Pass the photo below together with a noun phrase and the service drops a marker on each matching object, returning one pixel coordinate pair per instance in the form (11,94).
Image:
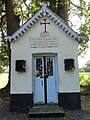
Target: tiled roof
(44,11)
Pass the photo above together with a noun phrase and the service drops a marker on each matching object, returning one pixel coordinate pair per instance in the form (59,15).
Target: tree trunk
(12,26)
(12,20)
(63,9)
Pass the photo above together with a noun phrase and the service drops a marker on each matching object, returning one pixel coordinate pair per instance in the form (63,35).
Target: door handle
(41,77)
(41,82)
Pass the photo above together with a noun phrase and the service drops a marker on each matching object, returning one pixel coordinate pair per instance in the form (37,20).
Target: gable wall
(22,82)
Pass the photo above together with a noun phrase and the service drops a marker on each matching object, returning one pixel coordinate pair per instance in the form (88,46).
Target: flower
(37,73)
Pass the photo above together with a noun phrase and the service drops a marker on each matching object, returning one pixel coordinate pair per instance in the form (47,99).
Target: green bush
(84,79)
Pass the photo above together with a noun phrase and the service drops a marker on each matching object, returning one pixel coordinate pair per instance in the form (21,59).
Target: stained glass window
(39,65)
(49,67)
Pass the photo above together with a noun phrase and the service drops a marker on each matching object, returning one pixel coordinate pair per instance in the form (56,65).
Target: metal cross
(45,23)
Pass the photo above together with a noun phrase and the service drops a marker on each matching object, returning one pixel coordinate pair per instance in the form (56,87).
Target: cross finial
(44,6)
(44,9)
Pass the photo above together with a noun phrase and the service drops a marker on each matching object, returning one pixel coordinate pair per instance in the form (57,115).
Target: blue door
(45,80)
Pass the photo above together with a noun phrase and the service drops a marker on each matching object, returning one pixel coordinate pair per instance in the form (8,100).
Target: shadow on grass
(85,90)
(4,93)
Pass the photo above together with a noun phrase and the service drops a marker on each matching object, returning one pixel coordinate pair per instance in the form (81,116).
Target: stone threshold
(46,111)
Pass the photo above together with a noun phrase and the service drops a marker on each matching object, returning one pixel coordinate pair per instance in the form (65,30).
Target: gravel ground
(83,114)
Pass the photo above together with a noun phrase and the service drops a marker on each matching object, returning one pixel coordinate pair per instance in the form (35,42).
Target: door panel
(38,81)
(51,80)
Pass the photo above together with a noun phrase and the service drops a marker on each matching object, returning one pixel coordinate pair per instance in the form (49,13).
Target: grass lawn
(3,80)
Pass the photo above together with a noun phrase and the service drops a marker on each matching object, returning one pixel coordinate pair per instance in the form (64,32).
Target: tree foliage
(4,59)
(86,68)
(84,29)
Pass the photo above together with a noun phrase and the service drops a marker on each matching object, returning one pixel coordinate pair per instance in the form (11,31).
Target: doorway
(45,80)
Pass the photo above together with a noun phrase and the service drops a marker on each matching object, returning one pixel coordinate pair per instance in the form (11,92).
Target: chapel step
(46,111)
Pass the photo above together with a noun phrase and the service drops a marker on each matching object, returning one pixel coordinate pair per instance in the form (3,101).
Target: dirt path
(85,103)
(83,114)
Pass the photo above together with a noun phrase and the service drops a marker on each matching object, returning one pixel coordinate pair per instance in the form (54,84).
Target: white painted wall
(22,82)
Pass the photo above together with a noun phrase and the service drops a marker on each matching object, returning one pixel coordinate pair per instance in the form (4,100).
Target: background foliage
(86,68)
(84,79)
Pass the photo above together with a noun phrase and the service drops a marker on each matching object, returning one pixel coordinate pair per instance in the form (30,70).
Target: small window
(20,65)
(69,64)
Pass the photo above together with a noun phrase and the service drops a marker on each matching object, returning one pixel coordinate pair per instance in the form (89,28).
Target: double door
(45,80)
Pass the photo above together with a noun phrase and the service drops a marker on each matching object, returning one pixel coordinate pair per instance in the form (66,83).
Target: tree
(86,68)
(3,47)
(3,55)
(82,10)
(11,28)
(85,27)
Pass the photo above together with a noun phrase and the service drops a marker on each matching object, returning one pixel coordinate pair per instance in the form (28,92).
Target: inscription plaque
(41,42)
